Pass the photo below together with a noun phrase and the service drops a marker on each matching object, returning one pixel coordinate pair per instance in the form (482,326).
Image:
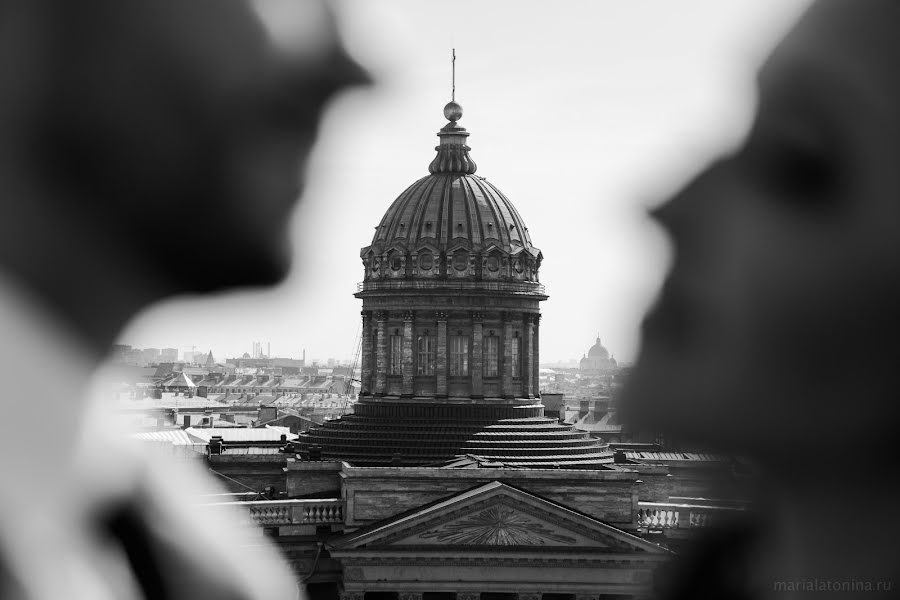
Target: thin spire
(452,153)
(453,70)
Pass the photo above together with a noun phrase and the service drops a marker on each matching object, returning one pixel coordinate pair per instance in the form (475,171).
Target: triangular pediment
(497,523)
(496,515)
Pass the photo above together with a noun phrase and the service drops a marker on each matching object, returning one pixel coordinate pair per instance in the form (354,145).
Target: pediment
(496,515)
(459,244)
(427,246)
(497,524)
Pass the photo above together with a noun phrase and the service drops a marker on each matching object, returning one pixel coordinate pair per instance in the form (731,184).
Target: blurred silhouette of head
(774,331)
(168,127)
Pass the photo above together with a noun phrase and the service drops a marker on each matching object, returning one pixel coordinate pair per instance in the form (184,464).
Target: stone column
(477,356)
(537,355)
(367,357)
(441,366)
(381,357)
(506,387)
(528,367)
(406,366)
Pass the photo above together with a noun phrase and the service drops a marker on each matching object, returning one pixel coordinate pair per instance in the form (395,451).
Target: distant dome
(598,350)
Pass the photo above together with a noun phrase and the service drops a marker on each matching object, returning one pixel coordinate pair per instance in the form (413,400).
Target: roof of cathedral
(598,350)
(452,207)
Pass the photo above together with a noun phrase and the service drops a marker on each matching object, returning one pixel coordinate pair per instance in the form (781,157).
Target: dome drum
(462,355)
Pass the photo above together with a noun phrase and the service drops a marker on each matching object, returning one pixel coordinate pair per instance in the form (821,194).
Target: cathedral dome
(450,335)
(452,223)
(598,350)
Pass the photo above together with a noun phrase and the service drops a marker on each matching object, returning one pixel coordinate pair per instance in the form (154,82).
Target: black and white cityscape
(409,300)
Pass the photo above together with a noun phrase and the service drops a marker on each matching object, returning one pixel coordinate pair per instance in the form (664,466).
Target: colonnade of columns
(376,359)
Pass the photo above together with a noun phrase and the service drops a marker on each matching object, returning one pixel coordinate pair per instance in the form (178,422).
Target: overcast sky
(584,113)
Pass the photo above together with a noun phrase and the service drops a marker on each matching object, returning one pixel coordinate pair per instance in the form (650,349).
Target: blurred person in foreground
(128,128)
(775,332)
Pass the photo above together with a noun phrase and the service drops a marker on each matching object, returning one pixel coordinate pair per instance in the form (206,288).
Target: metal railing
(525,287)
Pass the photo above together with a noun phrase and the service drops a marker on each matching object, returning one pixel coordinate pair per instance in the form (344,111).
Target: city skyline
(195,350)
(642,87)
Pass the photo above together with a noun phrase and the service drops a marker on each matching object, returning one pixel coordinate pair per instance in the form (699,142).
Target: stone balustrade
(669,515)
(282,513)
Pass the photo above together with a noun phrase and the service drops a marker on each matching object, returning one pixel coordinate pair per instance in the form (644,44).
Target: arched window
(426,345)
(491,353)
(459,355)
(396,353)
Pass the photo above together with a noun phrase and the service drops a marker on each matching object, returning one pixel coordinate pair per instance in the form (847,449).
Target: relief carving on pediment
(497,525)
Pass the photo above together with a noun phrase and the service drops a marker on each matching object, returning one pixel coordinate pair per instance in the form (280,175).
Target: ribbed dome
(598,350)
(452,223)
(447,210)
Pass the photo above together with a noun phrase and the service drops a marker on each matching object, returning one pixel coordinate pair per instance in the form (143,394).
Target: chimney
(315,453)
(215,444)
